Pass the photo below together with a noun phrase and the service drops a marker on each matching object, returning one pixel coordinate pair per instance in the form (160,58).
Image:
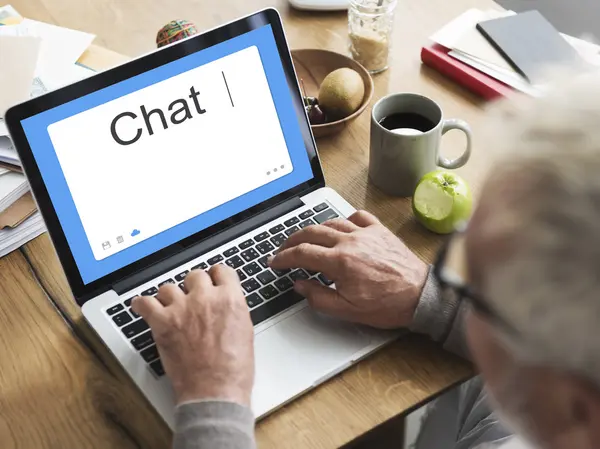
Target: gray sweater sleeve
(441,316)
(213,425)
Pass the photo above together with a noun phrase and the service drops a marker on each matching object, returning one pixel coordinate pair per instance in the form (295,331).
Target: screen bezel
(15,115)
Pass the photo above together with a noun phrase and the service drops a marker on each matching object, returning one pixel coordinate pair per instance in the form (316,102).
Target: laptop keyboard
(267,291)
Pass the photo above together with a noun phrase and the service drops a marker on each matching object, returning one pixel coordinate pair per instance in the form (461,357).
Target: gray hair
(544,218)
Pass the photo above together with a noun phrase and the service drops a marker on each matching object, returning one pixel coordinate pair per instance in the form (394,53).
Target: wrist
(188,392)
(435,311)
(421,278)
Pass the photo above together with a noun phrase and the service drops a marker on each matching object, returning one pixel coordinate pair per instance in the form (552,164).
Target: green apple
(442,201)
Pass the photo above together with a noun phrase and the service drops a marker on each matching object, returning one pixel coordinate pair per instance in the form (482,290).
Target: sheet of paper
(15,30)
(450,33)
(59,78)
(9,15)
(61,47)
(21,55)
(3,128)
(68,75)
(4,171)
(588,50)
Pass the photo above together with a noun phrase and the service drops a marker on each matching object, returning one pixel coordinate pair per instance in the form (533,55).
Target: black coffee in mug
(405,122)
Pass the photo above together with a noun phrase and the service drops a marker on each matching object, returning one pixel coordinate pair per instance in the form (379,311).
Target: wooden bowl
(313,65)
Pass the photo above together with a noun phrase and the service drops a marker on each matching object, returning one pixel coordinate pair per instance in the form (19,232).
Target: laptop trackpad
(295,353)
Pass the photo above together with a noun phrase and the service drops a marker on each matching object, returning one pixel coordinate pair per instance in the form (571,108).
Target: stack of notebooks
(495,53)
(36,58)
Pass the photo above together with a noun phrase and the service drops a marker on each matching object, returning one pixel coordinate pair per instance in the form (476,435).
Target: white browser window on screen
(150,160)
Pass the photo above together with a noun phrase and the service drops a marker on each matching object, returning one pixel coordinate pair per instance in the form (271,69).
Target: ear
(583,412)
(559,410)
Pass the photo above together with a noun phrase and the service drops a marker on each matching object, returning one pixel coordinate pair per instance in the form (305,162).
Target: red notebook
(479,83)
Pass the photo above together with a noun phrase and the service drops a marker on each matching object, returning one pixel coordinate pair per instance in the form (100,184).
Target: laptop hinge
(207,245)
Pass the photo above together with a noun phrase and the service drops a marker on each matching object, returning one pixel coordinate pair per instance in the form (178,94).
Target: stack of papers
(467,45)
(36,58)
(13,238)
(12,187)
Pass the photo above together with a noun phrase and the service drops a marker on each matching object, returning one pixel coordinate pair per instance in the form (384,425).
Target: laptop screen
(142,164)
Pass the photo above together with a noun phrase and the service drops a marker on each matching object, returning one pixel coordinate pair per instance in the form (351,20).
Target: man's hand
(378,279)
(205,337)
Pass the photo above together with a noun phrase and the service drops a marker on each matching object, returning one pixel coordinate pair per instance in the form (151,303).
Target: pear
(341,93)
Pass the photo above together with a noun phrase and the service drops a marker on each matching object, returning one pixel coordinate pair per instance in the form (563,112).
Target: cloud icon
(135,232)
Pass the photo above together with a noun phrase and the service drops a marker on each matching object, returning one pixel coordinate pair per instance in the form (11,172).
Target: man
(530,304)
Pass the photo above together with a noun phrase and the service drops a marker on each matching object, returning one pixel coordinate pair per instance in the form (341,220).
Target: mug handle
(462,160)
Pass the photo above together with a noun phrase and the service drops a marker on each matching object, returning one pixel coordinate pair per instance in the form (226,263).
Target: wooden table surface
(59,387)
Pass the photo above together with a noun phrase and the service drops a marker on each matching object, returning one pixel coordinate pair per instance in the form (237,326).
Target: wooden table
(59,387)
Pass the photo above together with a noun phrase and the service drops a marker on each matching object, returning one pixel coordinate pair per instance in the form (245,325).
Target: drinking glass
(370,26)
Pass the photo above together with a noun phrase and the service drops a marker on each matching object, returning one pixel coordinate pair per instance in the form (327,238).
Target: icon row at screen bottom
(119,240)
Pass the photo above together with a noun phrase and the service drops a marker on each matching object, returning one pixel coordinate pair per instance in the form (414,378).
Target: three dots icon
(281,167)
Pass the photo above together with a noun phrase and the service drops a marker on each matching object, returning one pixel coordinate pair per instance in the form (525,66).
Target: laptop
(198,154)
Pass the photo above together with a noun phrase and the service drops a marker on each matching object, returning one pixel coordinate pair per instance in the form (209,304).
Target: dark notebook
(529,43)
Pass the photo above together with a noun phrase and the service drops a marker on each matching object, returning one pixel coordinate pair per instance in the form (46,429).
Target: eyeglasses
(449,264)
